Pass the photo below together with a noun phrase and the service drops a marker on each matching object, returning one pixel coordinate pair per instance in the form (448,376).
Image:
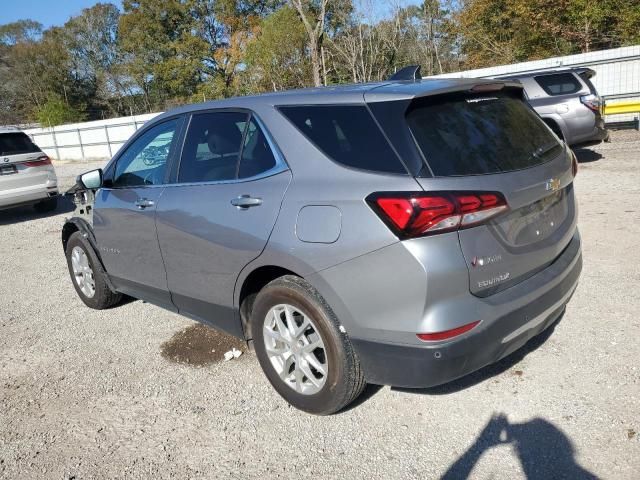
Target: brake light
(410,214)
(447,334)
(591,101)
(40,162)
(574,164)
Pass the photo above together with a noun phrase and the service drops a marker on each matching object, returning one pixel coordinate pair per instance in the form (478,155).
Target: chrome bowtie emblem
(552,184)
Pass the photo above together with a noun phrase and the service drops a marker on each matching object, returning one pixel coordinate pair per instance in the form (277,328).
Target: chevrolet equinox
(399,233)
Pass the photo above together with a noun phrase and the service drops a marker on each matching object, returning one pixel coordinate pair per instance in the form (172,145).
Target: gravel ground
(86,394)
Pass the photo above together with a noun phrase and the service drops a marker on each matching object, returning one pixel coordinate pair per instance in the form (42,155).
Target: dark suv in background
(567,101)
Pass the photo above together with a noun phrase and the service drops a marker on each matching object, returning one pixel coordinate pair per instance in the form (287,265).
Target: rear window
(15,143)
(479,135)
(586,78)
(347,134)
(559,84)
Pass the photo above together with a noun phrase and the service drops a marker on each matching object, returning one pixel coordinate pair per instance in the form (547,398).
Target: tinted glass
(489,134)
(347,134)
(559,84)
(212,147)
(16,143)
(586,79)
(257,156)
(145,161)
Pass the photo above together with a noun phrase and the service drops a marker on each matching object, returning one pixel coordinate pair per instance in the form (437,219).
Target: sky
(47,12)
(57,12)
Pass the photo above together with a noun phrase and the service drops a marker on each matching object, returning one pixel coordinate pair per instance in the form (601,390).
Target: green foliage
(56,112)
(506,31)
(276,59)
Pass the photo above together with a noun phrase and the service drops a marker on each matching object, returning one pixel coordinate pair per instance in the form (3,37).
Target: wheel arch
(253,281)
(74,225)
(556,126)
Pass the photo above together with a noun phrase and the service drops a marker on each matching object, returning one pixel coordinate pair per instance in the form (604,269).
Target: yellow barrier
(623,107)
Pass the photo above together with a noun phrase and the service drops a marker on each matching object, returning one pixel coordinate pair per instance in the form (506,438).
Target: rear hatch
(16,148)
(18,158)
(494,142)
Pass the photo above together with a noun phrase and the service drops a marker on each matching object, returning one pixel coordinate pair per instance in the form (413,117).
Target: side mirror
(90,180)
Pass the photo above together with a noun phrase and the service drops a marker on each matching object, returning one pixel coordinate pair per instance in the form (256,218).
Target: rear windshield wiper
(542,151)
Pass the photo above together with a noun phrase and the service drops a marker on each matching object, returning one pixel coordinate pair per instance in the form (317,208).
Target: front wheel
(301,348)
(87,275)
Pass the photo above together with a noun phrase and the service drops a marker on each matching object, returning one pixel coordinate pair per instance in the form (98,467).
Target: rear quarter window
(559,84)
(347,134)
(460,135)
(16,143)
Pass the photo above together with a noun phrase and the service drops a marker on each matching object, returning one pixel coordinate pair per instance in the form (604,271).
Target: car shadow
(586,155)
(27,213)
(544,451)
(489,371)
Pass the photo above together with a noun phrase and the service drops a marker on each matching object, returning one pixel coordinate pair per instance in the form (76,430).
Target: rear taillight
(574,164)
(40,162)
(418,214)
(591,101)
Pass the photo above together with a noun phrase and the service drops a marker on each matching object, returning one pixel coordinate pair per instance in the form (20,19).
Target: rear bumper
(436,363)
(12,196)
(599,134)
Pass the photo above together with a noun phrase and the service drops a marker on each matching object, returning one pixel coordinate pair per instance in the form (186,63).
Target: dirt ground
(138,392)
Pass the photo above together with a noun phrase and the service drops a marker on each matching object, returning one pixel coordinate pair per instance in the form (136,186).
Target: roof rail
(412,72)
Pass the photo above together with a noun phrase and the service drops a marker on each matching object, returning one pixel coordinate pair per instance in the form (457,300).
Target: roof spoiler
(412,72)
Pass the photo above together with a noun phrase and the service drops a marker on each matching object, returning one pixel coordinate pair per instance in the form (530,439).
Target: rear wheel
(48,205)
(301,349)
(87,275)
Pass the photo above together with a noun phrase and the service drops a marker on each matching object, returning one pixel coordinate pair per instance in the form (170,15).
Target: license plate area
(8,169)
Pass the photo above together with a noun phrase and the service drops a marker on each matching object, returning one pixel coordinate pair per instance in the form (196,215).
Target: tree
(91,40)
(276,58)
(313,14)
(55,111)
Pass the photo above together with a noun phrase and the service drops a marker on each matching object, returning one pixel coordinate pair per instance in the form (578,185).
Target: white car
(27,176)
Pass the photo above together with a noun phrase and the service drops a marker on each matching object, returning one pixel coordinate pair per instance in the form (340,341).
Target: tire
(48,205)
(102,296)
(344,379)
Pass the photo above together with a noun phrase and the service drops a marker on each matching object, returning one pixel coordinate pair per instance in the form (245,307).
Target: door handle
(245,201)
(143,203)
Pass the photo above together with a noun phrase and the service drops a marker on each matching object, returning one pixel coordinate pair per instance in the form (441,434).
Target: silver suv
(568,102)
(401,233)
(26,174)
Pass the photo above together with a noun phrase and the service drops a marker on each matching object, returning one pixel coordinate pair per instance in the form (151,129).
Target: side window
(559,84)
(257,156)
(347,134)
(145,160)
(212,147)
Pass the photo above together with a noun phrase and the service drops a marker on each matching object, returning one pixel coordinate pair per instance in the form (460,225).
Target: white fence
(97,140)
(617,73)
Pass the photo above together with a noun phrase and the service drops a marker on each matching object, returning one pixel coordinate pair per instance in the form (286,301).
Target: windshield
(462,135)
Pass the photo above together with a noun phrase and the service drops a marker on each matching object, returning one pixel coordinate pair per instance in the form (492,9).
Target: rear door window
(559,83)
(212,147)
(16,143)
(257,156)
(347,134)
(461,135)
